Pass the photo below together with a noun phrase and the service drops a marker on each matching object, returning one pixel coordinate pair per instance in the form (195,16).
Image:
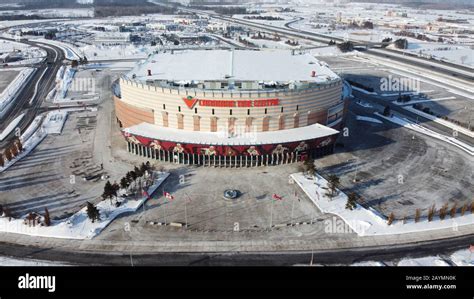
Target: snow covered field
(98,52)
(367,222)
(79,226)
(458,54)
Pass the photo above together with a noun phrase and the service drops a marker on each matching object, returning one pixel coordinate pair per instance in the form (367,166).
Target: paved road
(339,256)
(42,81)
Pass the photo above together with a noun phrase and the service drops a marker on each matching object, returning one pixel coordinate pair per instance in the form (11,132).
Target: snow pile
(364,104)
(9,93)
(55,121)
(24,262)
(368,221)
(423,262)
(368,264)
(11,126)
(368,119)
(79,226)
(463,258)
(420,129)
(66,76)
(327,51)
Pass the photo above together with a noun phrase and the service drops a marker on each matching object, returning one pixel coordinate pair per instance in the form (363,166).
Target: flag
(145,193)
(276,197)
(168,195)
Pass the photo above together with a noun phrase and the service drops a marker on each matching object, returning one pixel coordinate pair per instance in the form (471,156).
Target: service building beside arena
(230,107)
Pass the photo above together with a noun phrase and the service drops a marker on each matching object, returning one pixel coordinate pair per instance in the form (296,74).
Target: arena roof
(239,65)
(218,138)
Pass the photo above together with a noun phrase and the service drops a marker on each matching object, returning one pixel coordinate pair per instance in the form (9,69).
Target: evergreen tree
(333,183)
(8,154)
(47,219)
(124,183)
(18,144)
(390,219)
(92,212)
(351,201)
(108,191)
(13,150)
(138,172)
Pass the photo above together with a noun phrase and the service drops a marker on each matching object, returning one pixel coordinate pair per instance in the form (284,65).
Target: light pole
(293,209)
(185,210)
(164,205)
(271,214)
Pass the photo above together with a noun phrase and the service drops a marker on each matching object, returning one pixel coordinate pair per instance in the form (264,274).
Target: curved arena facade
(230,108)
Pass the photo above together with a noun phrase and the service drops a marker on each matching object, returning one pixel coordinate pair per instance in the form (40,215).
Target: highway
(437,127)
(31,97)
(236,258)
(463,72)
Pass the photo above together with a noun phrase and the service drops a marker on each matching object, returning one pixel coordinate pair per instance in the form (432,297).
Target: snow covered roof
(220,138)
(239,65)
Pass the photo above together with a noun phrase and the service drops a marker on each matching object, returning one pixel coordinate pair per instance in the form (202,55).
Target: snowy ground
(459,54)
(24,262)
(367,222)
(423,262)
(21,53)
(418,128)
(11,126)
(79,226)
(71,52)
(98,52)
(37,131)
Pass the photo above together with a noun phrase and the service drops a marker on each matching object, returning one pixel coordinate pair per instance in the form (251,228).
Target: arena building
(230,107)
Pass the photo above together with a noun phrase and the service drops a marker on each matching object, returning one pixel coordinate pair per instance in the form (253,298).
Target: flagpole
(144,209)
(292,210)
(271,214)
(185,210)
(164,208)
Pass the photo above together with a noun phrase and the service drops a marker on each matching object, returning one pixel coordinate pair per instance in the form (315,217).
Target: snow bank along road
(30,98)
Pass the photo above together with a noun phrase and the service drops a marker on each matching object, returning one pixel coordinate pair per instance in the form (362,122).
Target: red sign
(190,102)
